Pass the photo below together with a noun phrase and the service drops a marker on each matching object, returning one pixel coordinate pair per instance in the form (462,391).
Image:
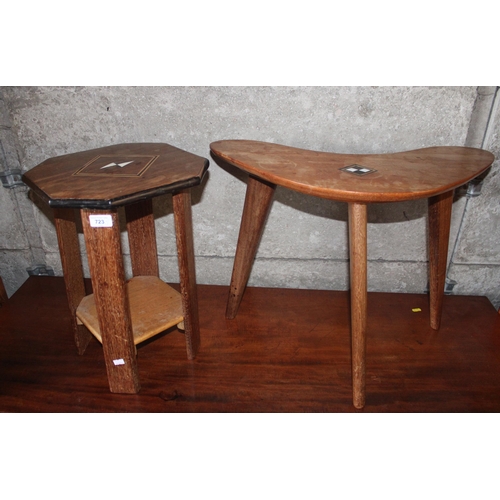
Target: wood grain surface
(142,238)
(258,200)
(84,179)
(187,273)
(287,351)
(154,307)
(105,258)
(359,297)
(439,235)
(357,179)
(420,173)
(71,260)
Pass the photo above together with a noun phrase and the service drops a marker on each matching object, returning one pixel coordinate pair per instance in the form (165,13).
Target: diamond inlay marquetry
(117,166)
(358,170)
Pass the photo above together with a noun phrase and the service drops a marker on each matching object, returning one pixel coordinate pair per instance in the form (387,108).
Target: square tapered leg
(113,311)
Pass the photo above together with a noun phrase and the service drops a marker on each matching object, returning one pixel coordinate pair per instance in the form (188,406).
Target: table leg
(255,211)
(439,234)
(3,293)
(142,238)
(187,273)
(108,281)
(358,276)
(71,260)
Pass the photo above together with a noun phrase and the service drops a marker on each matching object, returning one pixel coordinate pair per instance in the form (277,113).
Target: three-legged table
(359,180)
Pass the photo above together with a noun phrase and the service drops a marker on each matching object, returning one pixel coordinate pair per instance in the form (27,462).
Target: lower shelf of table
(154,307)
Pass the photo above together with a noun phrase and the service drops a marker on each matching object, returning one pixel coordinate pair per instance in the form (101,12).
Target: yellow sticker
(416,310)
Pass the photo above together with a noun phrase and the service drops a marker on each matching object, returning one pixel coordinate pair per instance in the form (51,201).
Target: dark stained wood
(142,238)
(85,179)
(358,279)
(439,234)
(187,272)
(71,260)
(113,311)
(258,200)
(3,293)
(287,351)
(409,175)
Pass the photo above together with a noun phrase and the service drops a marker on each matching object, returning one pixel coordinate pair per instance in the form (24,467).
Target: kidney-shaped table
(431,173)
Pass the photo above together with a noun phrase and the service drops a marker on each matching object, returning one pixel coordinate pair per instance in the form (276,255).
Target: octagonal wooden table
(121,314)
(431,173)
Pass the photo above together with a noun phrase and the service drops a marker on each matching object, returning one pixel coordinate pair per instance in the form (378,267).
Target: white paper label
(118,362)
(104,220)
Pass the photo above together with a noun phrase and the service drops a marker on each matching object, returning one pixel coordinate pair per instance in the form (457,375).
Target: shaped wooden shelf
(154,307)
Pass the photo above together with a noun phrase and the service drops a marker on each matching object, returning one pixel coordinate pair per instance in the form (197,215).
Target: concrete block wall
(305,241)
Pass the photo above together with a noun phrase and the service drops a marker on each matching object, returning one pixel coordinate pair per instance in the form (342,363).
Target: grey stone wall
(305,241)
(19,238)
(475,263)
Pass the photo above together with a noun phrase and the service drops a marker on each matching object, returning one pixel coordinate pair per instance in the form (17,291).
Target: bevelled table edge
(103,204)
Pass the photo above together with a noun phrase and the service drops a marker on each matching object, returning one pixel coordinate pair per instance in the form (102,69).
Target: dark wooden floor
(287,351)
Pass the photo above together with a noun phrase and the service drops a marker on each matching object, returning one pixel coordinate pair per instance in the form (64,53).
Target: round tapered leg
(439,234)
(358,271)
(257,205)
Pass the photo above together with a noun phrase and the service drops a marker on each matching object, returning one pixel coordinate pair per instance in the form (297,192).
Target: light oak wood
(256,209)
(113,310)
(187,272)
(424,173)
(69,251)
(154,308)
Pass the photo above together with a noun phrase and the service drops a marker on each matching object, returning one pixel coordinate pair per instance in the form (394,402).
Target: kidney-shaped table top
(408,175)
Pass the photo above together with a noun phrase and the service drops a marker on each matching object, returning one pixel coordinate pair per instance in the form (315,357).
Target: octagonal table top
(420,173)
(115,175)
